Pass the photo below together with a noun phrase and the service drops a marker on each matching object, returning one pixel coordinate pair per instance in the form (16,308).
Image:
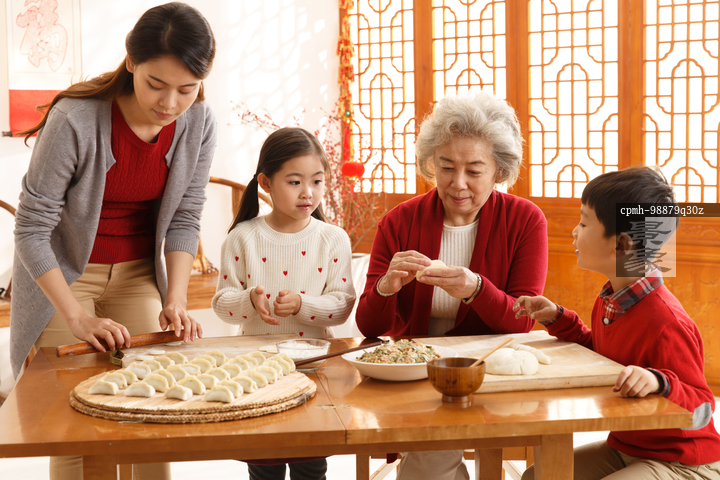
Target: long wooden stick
(135,341)
(480,360)
(341,352)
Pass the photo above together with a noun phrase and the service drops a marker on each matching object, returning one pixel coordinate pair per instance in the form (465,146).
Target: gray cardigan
(62,194)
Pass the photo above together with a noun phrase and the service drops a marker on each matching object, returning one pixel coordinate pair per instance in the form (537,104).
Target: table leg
(100,467)
(488,464)
(554,458)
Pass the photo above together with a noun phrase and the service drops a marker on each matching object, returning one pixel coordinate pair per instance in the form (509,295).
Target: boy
(637,322)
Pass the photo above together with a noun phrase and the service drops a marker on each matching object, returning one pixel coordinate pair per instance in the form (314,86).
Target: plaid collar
(615,304)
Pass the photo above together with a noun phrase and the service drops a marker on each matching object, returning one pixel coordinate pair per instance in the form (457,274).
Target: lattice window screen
(469,46)
(682,117)
(573,94)
(383,94)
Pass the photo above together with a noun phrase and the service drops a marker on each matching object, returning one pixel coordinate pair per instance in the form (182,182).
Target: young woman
(287,271)
(108,221)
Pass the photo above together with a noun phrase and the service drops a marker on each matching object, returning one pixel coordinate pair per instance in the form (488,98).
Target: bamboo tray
(286,393)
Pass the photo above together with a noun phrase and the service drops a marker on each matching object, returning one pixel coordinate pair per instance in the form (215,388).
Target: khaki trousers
(597,460)
(126,293)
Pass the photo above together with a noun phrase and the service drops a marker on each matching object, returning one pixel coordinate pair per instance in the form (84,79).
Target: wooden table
(350,414)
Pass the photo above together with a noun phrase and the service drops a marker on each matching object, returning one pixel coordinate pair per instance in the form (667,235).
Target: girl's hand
(90,329)
(538,308)
(635,381)
(287,303)
(401,270)
(262,305)
(176,314)
(458,282)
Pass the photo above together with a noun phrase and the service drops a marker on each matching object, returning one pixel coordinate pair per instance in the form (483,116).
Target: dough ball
(542,358)
(508,361)
(433,264)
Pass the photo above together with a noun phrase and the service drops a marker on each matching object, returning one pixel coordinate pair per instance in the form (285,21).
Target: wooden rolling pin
(135,341)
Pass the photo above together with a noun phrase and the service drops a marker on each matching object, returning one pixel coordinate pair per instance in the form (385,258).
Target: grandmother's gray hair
(476,115)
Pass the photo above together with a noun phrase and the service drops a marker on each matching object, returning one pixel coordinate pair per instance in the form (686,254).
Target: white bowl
(394,372)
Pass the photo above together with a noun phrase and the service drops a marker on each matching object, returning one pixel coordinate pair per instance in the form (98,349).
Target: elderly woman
(494,244)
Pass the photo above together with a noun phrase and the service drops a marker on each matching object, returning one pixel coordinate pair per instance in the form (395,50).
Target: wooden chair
(202,285)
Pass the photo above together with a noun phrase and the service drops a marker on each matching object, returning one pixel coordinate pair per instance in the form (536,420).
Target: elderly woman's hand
(401,270)
(458,282)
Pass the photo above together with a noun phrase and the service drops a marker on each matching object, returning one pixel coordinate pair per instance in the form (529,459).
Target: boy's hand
(538,308)
(287,303)
(635,381)
(262,305)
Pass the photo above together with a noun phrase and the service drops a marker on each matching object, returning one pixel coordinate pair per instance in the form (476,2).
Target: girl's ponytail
(249,204)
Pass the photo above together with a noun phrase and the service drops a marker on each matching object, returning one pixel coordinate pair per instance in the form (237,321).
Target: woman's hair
(476,115)
(282,145)
(173,29)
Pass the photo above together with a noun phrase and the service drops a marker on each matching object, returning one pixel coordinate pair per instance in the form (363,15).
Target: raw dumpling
(191,368)
(219,357)
(139,369)
(177,371)
(240,362)
(234,387)
(287,367)
(258,377)
(203,364)
(219,394)
(252,361)
(165,361)
(232,370)
(101,387)
(285,357)
(140,389)
(268,372)
(219,373)
(209,358)
(179,392)
(276,366)
(248,384)
(153,364)
(168,376)
(257,355)
(158,382)
(433,264)
(508,361)
(130,377)
(197,387)
(541,357)
(208,380)
(117,378)
(177,357)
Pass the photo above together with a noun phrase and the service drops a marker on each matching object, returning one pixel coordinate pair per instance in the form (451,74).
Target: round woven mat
(286,393)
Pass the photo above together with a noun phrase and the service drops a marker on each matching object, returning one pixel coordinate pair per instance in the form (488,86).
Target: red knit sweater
(510,254)
(656,333)
(127,225)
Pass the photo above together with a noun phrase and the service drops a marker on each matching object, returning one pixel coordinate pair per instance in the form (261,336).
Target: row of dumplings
(201,376)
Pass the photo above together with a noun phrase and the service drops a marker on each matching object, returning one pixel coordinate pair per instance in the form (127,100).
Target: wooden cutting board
(572,365)
(230,346)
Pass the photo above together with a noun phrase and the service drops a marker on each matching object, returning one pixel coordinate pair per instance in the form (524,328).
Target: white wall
(276,55)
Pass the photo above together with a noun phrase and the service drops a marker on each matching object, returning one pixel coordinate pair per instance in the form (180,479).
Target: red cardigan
(656,333)
(510,254)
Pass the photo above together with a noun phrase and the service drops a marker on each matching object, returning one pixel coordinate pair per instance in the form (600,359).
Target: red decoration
(353,169)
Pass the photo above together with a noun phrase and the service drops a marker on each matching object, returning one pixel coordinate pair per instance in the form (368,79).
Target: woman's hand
(175,313)
(635,381)
(90,329)
(401,270)
(458,282)
(287,303)
(259,299)
(538,308)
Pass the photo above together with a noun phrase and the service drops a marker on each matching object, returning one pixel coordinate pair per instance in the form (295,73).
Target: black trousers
(310,470)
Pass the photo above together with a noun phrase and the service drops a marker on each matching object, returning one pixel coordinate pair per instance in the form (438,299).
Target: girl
(119,168)
(287,271)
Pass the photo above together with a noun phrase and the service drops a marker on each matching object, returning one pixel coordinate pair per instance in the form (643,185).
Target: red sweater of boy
(655,333)
(126,230)
(510,254)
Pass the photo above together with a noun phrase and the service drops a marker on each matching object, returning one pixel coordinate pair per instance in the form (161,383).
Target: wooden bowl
(454,378)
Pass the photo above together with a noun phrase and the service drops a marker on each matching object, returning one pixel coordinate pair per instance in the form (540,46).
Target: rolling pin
(135,341)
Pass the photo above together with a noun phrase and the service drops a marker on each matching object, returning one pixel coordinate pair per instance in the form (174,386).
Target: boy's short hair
(633,185)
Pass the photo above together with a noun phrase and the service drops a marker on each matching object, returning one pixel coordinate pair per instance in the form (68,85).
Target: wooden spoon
(480,360)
